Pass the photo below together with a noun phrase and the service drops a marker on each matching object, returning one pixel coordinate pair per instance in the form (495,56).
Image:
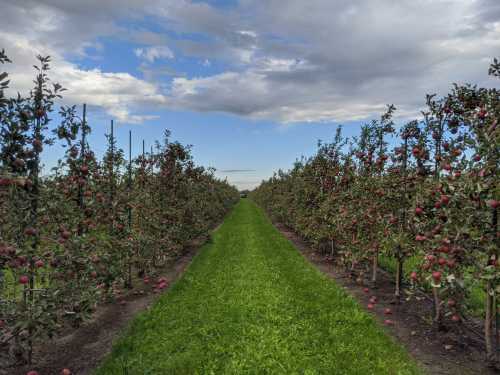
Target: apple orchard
(418,200)
(82,234)
(425,209)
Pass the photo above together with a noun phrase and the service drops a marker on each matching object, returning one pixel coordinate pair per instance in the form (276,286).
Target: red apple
(493,203)
(430,258)
(5,181)
(66,371)
(436,275)
(387,311)
(419,210)
(24,280)
(37,145)
(444,249)
(414,276)
(19,163)
(30,231)
(40,112)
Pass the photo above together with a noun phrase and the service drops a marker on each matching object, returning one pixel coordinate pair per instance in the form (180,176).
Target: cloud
(62,30)
(344,61)
(303,61)
(150,54)
(117,93)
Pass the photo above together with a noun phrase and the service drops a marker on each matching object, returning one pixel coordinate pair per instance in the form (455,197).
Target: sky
(252,85)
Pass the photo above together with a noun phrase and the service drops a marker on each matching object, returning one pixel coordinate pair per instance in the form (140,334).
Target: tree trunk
(399,279)
(488,324)
(374,269)
(491,316)
(437,308)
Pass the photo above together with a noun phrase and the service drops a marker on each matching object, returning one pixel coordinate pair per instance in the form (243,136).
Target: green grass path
(251,304)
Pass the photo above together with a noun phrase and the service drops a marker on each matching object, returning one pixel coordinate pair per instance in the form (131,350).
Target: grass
(251,304)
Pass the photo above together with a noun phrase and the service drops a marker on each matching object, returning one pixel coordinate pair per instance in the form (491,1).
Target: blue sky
(251,85)
(245,151)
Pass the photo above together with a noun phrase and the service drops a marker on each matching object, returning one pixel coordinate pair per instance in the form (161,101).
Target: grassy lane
(249,303)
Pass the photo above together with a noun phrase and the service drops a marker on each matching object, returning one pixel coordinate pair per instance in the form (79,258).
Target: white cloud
(280,65)
(317,60)
(150,54)
(117,93)
(251,33)
(343,61)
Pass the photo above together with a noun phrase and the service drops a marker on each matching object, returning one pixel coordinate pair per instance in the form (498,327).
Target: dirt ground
(459,350)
